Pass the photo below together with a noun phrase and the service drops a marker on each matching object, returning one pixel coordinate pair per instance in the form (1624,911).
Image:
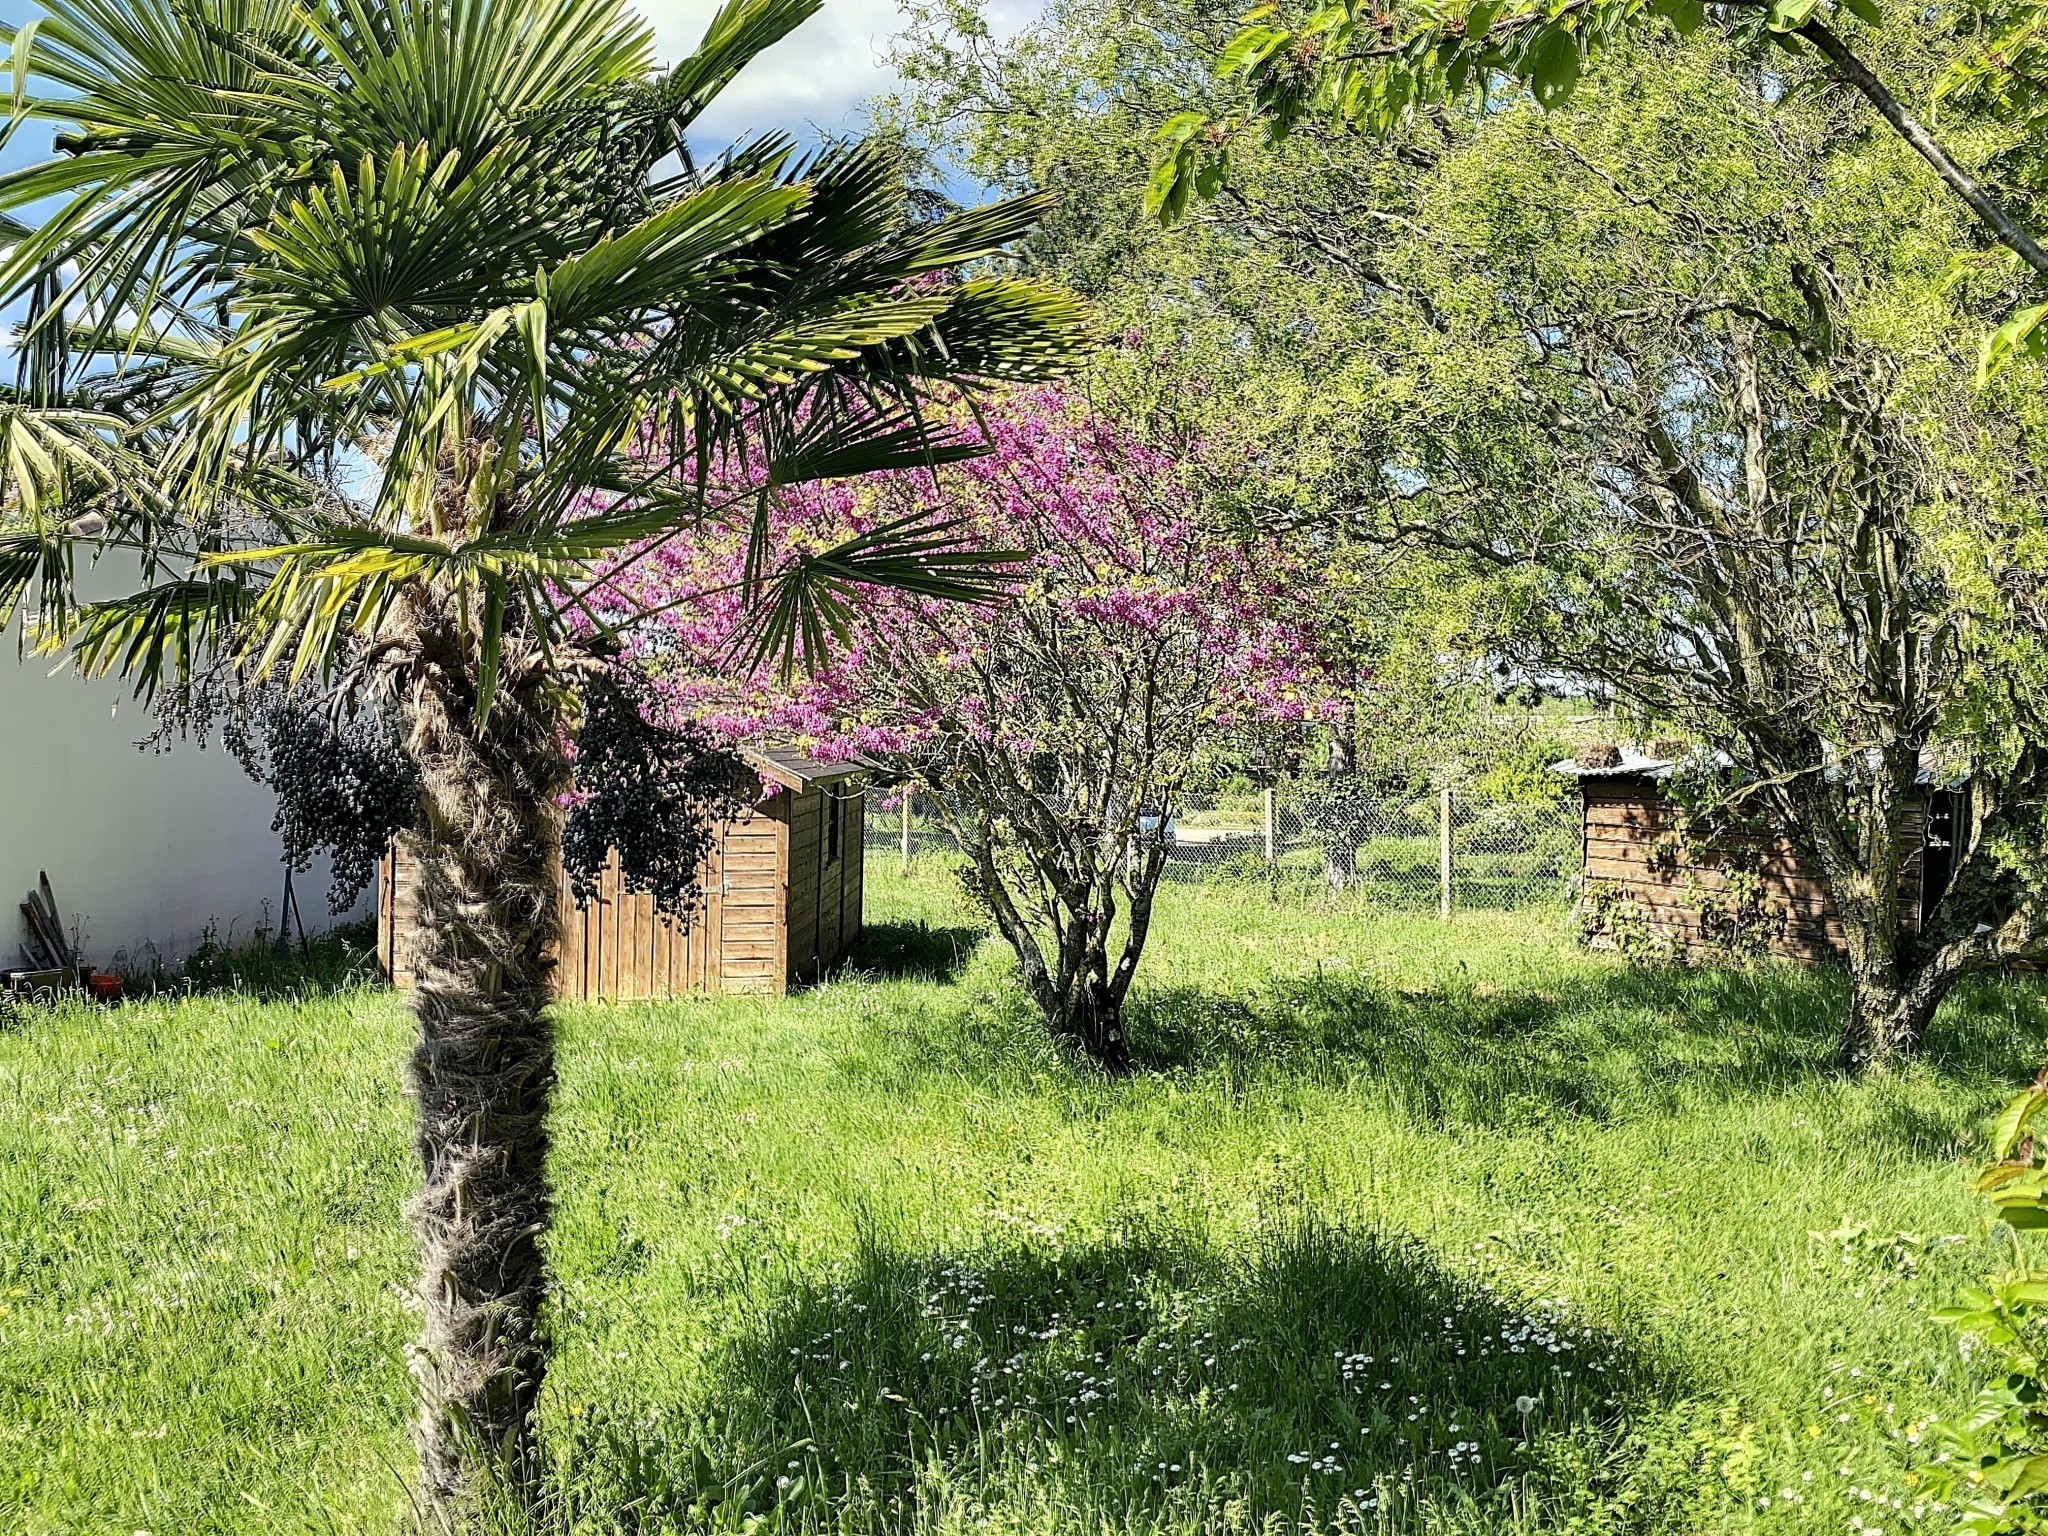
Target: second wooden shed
(1637,862)
(782,900)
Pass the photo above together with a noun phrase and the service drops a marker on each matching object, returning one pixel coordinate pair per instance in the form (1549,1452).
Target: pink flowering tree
(1052,729)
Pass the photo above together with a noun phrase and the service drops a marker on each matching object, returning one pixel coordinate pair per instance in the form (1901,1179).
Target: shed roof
(1635,764)
(1638,764)
(794,770)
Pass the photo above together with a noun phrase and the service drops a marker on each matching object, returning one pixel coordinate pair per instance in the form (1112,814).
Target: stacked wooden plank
(52,967)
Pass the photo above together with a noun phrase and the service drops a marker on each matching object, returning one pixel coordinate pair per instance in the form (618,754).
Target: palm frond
(1006,330)
(391,289)
(158,635)
(811,601)
(736,35)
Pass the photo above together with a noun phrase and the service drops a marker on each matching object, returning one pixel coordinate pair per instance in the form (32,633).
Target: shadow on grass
(919,950)
(1149,1381)
(1616,1045)
(1611,1044)
(335,961)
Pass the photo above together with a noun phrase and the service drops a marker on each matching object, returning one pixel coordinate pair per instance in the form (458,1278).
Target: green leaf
(1480,19)
(812,596)
(23,51)
(491,645)
(1864,11)
(1250,49)
(532,319)
(735,36)
(1790,15)
(1166,193)
(1177,129)
(161,633)
(1685,16)
(2020,336)
(1552,66)
(2013,1120)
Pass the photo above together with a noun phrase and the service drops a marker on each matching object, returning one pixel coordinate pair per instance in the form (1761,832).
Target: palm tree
(380,330)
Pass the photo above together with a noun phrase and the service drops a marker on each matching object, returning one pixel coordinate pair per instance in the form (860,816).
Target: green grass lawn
(1404,1226)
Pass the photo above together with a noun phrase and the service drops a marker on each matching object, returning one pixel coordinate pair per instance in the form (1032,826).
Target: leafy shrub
(1992,1470)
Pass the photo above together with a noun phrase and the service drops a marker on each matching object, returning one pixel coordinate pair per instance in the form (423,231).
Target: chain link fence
(1435,848)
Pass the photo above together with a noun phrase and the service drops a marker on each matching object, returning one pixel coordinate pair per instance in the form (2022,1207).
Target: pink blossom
(1121,578)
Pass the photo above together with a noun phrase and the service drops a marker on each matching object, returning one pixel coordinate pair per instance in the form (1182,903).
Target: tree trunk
(1858,831)
(487,850)
(1886,1023)
(1078,994)
(1340,834)
(1095,1022)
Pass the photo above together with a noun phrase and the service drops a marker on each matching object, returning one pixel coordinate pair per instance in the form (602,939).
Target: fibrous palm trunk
(487,850)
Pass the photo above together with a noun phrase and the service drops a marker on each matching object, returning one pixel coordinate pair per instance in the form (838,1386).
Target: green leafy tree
(1688,374)
(1375,66)
(1256,322)
(381,335)
(1272,316)
(1245,322)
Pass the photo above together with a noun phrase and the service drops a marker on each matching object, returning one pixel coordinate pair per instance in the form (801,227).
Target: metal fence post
(1268,798)
(908,796)
(1443,853)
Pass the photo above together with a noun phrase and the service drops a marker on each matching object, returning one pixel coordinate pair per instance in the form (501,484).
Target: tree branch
(1988,209)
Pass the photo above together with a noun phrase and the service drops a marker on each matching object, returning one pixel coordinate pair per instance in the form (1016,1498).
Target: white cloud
(816,78)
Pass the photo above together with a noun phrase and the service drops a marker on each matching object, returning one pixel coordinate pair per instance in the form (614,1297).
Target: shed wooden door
(826,834)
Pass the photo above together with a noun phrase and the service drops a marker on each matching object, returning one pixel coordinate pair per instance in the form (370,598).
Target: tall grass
(1404,1226)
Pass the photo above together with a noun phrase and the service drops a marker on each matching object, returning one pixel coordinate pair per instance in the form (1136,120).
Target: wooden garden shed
(782,900)
(1634,853)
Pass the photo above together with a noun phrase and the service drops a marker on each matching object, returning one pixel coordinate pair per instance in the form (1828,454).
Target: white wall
(142,848)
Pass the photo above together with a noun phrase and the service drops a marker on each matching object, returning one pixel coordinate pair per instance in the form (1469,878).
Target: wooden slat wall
(397,910)
(776,909)
(618,947)
(853,866)
(831,878)
(751,910)
(1624,821)
(806,867)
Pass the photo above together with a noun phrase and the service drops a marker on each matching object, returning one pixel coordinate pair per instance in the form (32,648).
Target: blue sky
(813,82)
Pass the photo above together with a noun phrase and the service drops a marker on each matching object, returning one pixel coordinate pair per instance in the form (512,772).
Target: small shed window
(833,809)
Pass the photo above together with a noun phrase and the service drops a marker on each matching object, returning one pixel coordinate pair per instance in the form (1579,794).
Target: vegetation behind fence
(1403,849)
